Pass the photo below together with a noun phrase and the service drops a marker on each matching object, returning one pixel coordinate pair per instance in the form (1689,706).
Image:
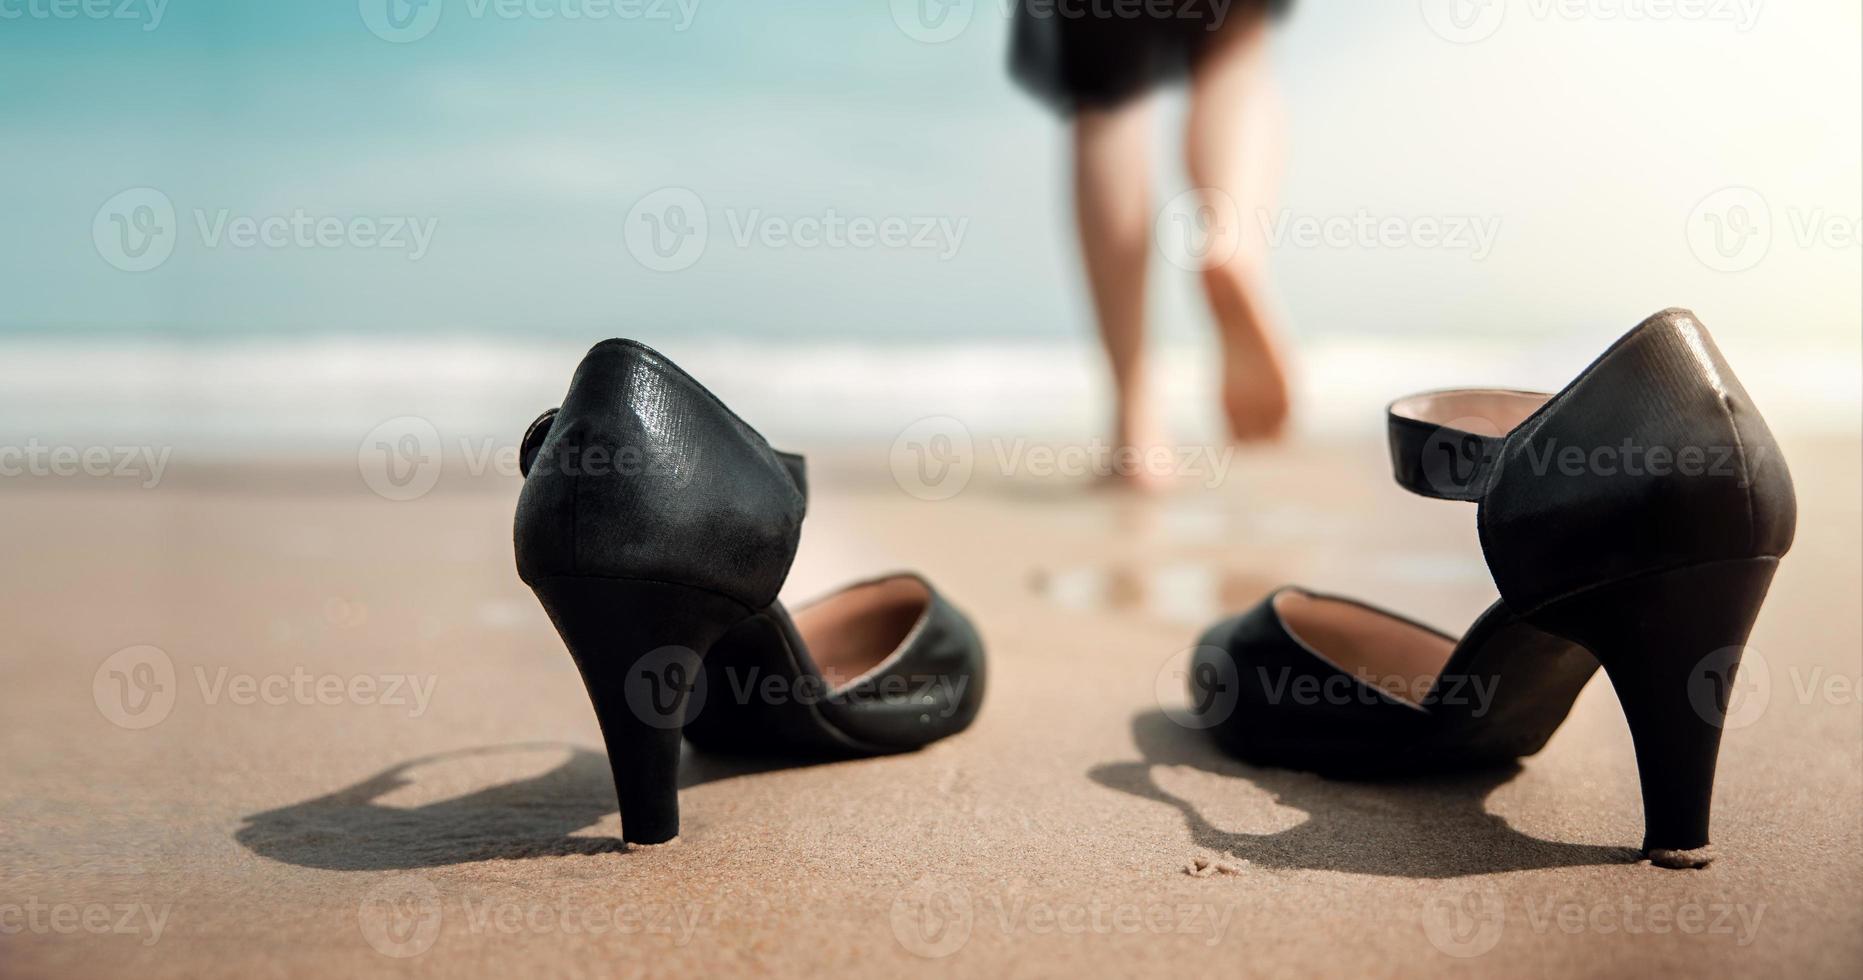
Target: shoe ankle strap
(1447,444)
(532,442)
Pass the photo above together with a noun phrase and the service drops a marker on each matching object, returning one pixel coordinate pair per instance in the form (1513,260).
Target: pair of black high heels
(1633,520)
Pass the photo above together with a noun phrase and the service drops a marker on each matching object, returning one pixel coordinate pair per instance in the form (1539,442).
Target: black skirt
(1095,54)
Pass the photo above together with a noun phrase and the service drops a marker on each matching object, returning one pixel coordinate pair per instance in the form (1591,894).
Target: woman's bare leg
(1232,149)
(1112,200)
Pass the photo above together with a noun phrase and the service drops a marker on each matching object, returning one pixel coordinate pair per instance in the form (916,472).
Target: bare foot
(1256,395)
(1129,466)
(1255,389)
(1139,478)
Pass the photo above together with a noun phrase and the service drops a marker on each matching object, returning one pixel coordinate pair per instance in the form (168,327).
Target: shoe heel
(1671,643)
(639,646)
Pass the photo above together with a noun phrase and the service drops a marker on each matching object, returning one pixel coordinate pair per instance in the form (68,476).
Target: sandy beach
(291,280)
(262,722)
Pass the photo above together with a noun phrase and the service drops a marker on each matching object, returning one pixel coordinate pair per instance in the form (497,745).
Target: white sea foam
(317,395)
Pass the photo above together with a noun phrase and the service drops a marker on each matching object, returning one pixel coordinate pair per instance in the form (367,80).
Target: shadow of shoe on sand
(539,816)
(1434,827)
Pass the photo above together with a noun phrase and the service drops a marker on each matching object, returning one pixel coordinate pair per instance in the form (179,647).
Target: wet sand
(360,750)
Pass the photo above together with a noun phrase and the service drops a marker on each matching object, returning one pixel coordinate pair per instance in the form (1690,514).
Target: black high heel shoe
(656,527)
(1632,520)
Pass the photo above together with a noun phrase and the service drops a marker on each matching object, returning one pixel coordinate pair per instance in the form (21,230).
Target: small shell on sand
(1204,867)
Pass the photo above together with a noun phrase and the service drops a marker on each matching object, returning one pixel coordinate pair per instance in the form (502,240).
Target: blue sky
(524,144)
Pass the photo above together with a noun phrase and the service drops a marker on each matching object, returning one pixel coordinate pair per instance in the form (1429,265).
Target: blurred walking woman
(1097,61)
